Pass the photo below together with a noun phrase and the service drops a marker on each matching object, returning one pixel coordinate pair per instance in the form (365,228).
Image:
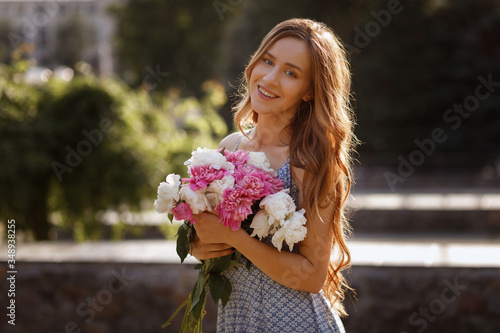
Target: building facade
(60,33)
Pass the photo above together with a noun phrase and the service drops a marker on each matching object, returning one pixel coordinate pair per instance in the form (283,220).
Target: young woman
(295,99)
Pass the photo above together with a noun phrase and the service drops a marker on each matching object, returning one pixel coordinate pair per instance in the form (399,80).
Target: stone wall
(138,298)
(419,299)
(99,298)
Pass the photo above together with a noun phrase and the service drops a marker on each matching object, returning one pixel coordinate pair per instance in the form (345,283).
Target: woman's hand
(211,237)
(202,251)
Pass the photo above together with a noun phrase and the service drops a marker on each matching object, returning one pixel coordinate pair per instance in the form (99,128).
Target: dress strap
(238,143)
(239,140)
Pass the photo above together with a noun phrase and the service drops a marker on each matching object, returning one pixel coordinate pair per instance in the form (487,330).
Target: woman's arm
(306,270)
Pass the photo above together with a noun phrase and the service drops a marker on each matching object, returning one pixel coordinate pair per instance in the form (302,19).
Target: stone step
(477,222)
(465,171)
(434,212)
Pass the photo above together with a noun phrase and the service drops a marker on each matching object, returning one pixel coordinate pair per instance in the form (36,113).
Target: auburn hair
(323,138)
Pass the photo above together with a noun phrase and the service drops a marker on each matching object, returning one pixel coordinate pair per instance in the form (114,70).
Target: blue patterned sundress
(260,304)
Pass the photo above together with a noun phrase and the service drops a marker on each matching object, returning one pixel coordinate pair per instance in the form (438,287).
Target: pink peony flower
(276,183)
(235,207)
(202,176)
(256,182)
(183,212)
(238,157)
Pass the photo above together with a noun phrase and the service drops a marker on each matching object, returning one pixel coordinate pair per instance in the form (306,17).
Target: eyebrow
(287,63)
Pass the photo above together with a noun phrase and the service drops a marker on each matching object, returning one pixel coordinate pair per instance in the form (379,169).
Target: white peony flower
(259,159)
(295,229)
(260,224)
(278,238)
(292,231)
(168,194)
(279,205)
(196,200)
(217,188)
(205,156)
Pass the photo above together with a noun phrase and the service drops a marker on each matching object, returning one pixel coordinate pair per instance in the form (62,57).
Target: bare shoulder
(229,142)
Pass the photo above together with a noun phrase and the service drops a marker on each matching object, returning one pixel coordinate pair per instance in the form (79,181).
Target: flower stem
(200,322)
(168,322)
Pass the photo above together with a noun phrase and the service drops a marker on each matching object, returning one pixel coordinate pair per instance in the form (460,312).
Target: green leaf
(183,241)
(226,291)
(198,294)
(220,288)
(221,264)
(235,262)
(200,304)
(216,286)
(234,265)
(248,264)
(208,264)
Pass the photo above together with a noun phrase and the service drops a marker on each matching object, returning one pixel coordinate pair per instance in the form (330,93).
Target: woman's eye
(290,73)
(267,61)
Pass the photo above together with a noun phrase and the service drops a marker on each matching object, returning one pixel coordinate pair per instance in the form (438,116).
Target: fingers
(201,250)
(206,241)
(206,214)
(209,255)
(207,228)
(216,247)
(202,254)
(213,212)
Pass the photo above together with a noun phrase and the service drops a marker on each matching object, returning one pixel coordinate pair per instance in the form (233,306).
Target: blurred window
(91,9)
(63,9)
(42,38)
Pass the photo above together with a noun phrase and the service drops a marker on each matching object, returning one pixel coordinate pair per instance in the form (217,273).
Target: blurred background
(100,100)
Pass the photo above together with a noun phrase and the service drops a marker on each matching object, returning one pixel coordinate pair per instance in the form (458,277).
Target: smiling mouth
(267,93)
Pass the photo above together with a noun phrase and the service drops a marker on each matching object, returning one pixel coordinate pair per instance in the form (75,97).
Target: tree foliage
(179,37)
(72,150)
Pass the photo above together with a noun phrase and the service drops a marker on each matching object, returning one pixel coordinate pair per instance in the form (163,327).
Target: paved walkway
(423,252)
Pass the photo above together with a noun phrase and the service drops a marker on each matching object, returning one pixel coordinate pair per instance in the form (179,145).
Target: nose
(271,78)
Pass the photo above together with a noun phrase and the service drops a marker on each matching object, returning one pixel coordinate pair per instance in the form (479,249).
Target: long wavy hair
(323,138)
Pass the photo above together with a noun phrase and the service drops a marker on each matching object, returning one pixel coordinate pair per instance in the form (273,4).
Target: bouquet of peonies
(246,193)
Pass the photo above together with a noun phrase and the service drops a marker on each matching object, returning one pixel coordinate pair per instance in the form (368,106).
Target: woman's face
(281,78)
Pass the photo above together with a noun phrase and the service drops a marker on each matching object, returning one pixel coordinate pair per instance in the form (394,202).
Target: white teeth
(268,94)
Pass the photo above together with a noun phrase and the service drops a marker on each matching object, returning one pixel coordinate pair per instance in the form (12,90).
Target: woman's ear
(307,97)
